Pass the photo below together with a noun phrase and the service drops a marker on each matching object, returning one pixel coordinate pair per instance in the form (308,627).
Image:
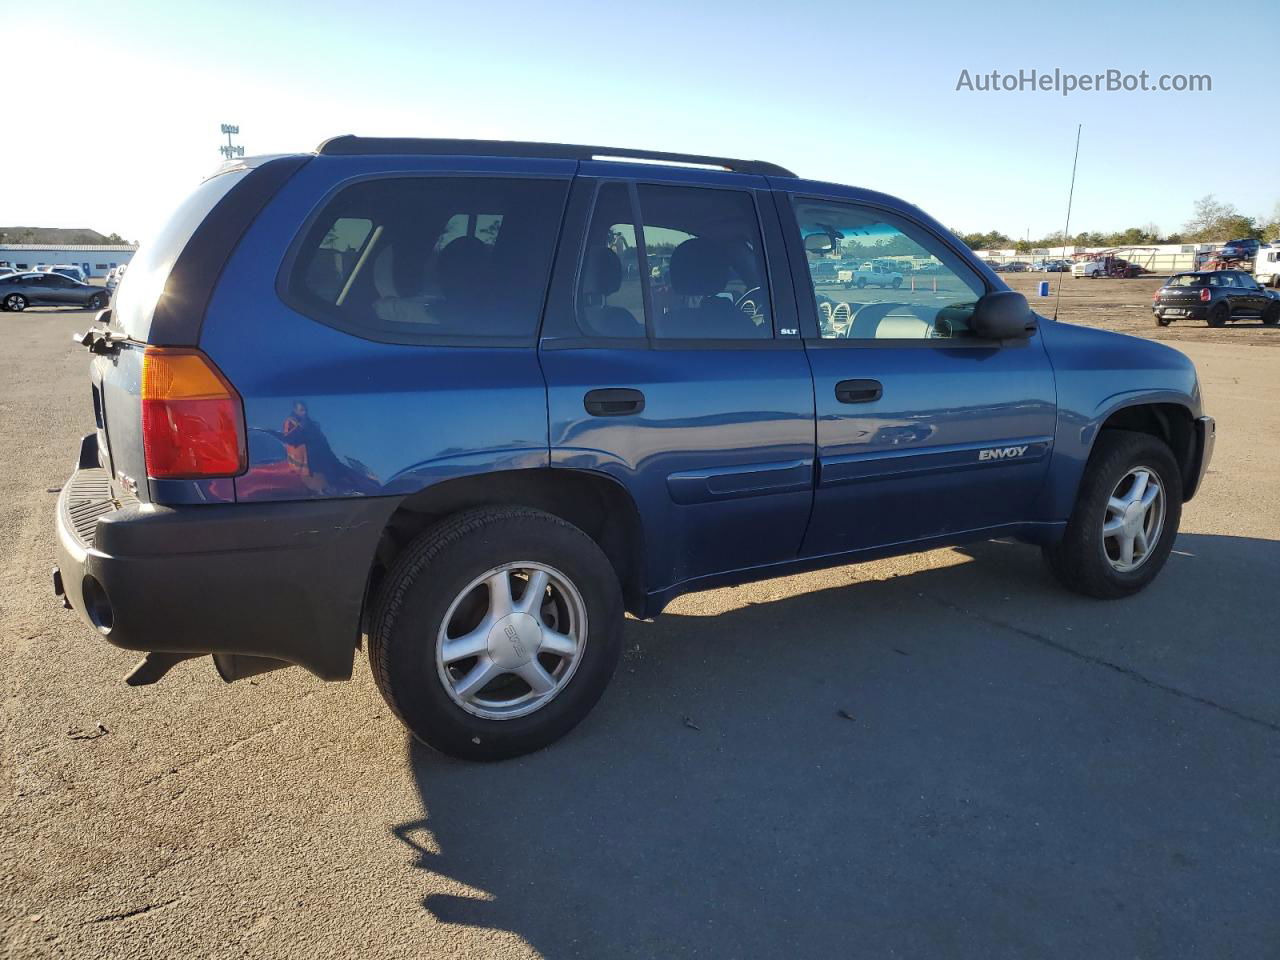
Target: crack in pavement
(146,908)
(1110,665)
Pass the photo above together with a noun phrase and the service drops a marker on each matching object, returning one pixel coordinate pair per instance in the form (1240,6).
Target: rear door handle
(613,402)
(859,391)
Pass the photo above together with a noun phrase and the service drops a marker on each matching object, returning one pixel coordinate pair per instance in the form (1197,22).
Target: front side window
(878,277)
(422,258)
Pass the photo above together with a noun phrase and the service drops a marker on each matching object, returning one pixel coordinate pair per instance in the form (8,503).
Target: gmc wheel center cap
(514,640)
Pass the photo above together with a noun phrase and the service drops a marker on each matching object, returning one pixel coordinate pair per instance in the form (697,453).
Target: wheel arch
(594,502)
(1170,422)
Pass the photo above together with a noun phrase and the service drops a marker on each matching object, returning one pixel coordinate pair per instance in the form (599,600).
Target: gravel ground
(941,755)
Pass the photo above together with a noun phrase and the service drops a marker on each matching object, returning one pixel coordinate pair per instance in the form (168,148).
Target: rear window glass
(137,296)
(1187,280)
(427,259)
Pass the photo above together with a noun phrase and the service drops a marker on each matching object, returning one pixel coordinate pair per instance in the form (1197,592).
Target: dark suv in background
(468,402)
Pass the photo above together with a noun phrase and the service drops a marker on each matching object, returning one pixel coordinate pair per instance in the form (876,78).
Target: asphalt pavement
(942,755)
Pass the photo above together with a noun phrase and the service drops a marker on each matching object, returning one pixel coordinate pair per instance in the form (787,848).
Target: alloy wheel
(1134,519)
(511,640)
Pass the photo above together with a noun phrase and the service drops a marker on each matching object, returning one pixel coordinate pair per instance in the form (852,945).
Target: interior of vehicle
(851,250)
(433,256)
(701,259)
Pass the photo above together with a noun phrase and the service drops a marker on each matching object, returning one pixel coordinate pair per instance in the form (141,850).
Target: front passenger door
(923,430)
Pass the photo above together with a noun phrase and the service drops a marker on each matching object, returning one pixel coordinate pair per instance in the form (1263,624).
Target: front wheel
(496,632)
(1163,321)
(1271,315)
(15,302)
(1125,518)
(96,302)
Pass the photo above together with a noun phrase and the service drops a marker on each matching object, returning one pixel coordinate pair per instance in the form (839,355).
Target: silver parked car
(22,290)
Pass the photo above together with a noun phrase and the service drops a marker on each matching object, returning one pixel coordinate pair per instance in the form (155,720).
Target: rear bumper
(1189,311)
(1206,435)
(279,580)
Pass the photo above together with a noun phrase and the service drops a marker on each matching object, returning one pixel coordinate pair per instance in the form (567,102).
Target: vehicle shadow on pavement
(962,761)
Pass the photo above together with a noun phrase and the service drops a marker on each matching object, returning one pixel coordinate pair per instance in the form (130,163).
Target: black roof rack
(349,145)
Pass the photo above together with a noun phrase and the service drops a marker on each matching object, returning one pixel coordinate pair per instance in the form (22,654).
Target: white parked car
(66,269)
(870,274)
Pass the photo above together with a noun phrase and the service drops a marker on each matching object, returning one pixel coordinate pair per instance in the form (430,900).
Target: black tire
(15,302)
(1271,315)
(96,302)
(423,583)
(1080,560)
(897,283)
(861,282)
(1162,321)
(1218,315)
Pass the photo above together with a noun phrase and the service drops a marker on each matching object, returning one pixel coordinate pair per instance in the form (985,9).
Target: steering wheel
(742,302)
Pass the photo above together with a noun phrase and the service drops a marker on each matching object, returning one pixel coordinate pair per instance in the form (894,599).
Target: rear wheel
(1271,315)
(15,302)
(1218,315)
(496,632)
(96,302)
(1125,518)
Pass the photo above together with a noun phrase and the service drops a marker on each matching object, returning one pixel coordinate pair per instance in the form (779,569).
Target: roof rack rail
(350,145)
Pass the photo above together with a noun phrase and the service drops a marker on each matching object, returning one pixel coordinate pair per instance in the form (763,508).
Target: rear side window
(430,259)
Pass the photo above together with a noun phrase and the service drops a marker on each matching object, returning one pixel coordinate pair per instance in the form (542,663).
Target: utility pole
(229,149)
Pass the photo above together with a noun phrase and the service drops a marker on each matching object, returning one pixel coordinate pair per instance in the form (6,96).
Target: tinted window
(610,296)
(877,277)
(704,263)
(425,258)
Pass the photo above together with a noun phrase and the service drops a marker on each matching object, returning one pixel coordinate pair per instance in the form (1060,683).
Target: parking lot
(941,755)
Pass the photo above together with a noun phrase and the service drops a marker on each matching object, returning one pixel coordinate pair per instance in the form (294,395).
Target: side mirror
(1004,315)
(819,243)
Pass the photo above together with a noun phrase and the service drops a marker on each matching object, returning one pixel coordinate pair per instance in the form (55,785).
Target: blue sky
(853,92)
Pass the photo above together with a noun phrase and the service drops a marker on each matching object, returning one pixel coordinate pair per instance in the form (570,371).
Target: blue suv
(467,402)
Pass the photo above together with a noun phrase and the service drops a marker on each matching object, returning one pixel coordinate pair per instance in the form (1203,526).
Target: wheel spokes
(500,602)
(477,678)
(535,675)
(560,644)
(534,593)
(473,644)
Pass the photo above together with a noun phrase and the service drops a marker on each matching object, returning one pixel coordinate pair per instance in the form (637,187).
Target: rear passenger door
(673,364)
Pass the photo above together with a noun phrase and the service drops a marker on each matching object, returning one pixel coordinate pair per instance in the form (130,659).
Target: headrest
(384,280)
(602,273)
(462,266)
(699,268)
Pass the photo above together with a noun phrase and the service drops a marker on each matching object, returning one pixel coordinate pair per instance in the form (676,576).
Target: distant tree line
(56,235)
(1211,220)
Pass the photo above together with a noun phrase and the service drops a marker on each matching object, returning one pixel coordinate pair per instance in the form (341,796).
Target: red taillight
(1204,295)
(192,418)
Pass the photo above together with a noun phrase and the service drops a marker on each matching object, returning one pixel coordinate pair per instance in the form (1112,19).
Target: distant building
(95,259)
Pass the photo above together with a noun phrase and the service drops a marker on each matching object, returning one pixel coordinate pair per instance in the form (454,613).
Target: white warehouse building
(95,259)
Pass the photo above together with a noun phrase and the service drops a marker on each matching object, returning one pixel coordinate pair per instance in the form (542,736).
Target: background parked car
(22,290)
(1214,296)
(1245,248)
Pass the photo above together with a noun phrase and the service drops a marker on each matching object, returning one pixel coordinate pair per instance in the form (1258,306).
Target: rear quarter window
(430,259)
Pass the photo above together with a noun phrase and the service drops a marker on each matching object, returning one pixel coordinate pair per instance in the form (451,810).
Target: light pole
(229,149)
